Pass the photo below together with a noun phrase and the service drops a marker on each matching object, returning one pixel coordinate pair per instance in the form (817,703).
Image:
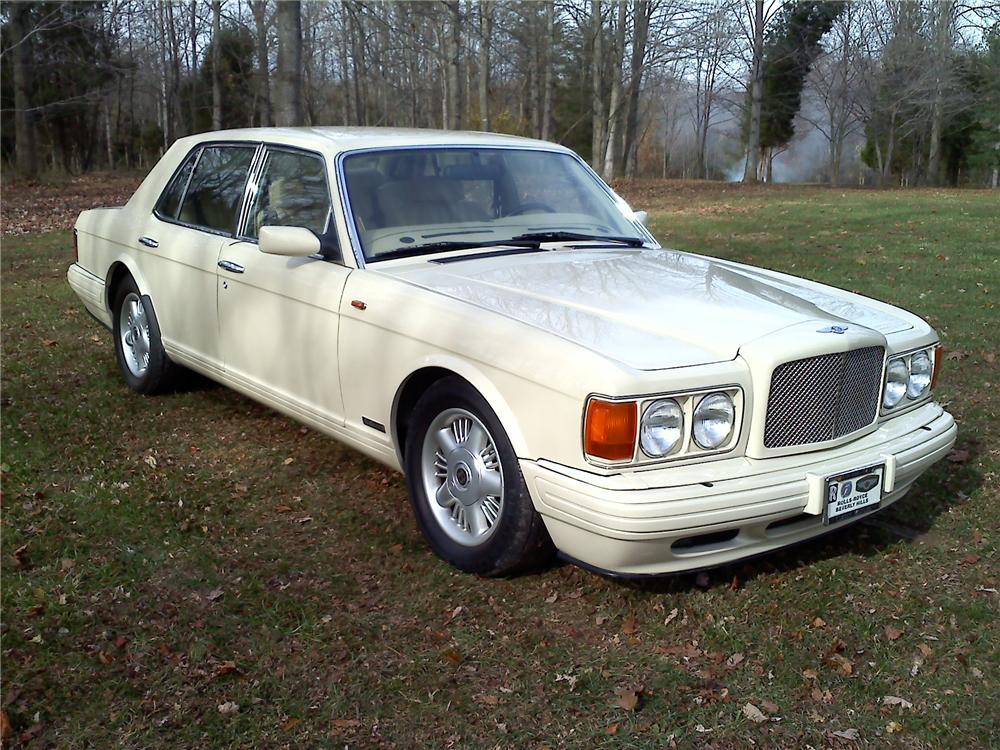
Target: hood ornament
(833,329)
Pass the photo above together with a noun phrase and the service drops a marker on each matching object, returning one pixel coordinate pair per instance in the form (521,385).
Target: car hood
(647,308)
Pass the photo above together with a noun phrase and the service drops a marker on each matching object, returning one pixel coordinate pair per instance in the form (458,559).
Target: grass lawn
(196,571)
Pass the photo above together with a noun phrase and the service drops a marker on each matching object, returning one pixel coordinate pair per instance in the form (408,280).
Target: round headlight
(662,428)
(897,375)
(920,375)
(713,420)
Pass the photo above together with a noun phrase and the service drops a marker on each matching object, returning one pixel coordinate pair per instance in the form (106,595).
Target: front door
(278,316)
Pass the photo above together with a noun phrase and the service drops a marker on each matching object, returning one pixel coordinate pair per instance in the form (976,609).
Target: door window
(291,192)
(215,193)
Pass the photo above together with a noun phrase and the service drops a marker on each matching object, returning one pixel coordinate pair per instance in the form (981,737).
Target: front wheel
(466,488)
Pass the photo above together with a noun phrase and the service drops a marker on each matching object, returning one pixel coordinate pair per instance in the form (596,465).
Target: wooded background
(873,91)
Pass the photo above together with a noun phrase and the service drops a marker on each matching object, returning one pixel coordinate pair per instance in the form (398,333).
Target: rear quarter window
(170,201)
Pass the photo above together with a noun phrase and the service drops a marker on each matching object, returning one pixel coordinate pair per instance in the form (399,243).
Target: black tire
(160,374)
(519,541)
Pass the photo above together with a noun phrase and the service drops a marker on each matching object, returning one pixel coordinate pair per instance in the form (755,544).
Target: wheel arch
(423,377)
(118,270)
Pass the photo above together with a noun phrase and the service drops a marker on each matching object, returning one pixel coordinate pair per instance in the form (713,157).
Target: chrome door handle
(228,265)
(148,242)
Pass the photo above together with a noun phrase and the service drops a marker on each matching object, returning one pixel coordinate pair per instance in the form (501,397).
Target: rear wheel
(144,364)
(466,488)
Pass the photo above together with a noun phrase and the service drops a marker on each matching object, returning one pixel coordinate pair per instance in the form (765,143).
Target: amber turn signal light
(938,356)
(610,429)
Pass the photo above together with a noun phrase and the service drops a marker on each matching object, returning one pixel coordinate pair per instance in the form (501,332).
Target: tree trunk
(640,34)
(597,85)
(550,72)
(25,153)
(289,20)
(453,47)
(612,153)
(941,45)
(194,66)
(756,95)
(216,63)
(259,8)
(485,32)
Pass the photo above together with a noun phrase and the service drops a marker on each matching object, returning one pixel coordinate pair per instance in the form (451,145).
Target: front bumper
(696,516)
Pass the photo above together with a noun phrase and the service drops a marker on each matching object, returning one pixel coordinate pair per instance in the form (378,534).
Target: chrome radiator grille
(822,398)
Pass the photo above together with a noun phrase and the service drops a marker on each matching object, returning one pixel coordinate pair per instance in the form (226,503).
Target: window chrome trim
(256,145)
(255,174)
(345,201)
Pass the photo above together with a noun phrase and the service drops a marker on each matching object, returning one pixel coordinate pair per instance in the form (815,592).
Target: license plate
(852,493)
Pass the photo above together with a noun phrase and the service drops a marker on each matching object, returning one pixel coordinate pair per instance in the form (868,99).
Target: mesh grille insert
(822,398)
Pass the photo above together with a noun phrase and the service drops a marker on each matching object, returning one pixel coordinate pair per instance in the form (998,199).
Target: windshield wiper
(425,248)
(560,236)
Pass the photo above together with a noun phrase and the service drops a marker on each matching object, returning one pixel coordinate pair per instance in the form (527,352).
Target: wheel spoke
(491,483)
(476,440)
(443,496)
(478,521)
(446,440)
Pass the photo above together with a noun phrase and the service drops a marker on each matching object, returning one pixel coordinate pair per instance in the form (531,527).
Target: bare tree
(453,53)
(259,8)
(751,172)
(289,22)
(485,35)
(216,64)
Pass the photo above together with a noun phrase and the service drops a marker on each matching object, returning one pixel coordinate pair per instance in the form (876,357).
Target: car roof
(337,139)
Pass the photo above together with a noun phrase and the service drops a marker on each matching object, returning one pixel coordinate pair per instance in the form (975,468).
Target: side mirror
(641,217)
(294,242)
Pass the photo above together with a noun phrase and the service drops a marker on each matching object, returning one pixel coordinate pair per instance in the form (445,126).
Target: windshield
(418,201)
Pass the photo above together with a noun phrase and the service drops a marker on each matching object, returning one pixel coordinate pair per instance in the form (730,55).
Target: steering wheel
(532,206)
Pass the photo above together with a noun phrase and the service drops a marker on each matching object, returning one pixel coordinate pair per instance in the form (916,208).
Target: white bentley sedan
(483,313)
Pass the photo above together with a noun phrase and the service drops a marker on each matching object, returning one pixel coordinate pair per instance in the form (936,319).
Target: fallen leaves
(895,700)
(970,559)
(229,708)
(753,713)
(892,633)
(628,698)
(847,734)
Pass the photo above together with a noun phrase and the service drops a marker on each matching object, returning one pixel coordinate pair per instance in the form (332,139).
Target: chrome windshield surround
(345,200)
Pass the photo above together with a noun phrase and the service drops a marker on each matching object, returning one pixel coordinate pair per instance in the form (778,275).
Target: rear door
(194,218)
(279,317)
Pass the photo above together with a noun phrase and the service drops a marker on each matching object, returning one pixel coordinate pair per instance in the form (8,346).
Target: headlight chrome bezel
(686,447)
(647,439)
(908,396)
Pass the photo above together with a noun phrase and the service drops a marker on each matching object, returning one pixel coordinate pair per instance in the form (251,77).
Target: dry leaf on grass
(229,708)
(627,698)
(753,713)
(895,700)
(847,734)
(892,633)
